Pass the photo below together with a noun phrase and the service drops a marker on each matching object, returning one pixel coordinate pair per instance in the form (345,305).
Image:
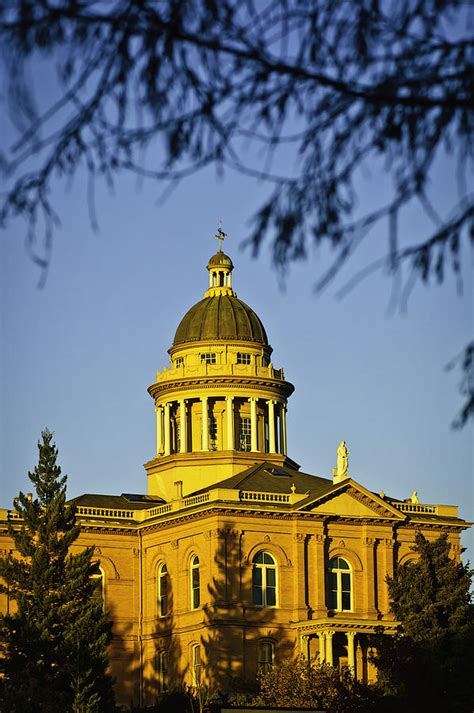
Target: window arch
(194,577)
(265,655)
(163,671)
(264,580)
(162,589)
(339,585)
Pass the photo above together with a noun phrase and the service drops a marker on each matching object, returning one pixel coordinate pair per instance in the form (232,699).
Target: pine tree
(54,643)
(427,665)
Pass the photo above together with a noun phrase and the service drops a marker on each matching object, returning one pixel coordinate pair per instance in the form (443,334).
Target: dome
(220,259)
(222,316)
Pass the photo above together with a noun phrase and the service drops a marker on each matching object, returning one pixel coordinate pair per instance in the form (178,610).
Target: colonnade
(275,411)
(326,647)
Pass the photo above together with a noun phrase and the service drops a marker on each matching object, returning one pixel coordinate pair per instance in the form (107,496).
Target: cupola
(221,404)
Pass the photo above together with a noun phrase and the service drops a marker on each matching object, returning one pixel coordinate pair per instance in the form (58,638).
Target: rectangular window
(178,436)
(208,358)
(163,671)
(257,595)
(212,426)
(271,587)
(332,590)
(243,358)
(196,664)
(346,591)
(245,434)
(179,361)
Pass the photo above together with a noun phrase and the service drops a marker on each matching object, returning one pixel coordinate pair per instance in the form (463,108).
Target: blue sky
(78,355)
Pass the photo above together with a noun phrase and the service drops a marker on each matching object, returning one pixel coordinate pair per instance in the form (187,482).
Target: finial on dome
(220,235)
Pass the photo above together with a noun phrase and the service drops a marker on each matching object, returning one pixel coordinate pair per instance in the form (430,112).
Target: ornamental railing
(239,497)
(415,507)
(264,497)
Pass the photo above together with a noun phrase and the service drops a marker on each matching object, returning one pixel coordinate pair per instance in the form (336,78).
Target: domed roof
(220,258)
(220,317)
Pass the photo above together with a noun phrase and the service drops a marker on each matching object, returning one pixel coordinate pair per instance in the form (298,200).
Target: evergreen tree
(427,665)
(54,642)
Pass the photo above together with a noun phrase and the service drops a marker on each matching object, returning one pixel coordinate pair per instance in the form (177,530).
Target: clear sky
(78,355)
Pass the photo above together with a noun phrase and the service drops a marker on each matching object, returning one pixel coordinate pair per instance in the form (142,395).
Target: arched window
(163,671)
(264,585)
(196,664)
(162,593)
(339,585)
(265,656)
(195,582)
(98,578)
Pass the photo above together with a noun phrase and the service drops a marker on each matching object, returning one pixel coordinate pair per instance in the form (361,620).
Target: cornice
(214,382)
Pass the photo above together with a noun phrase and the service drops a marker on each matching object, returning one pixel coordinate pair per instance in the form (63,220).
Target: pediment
(349,499)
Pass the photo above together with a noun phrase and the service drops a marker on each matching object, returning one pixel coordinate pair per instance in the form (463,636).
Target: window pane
(332,599)
(332,581)
(196,598)
(271,577)
(342,564)
(257,595)
(195,576)
(257,576)
(346,582)
(268,559)
(258,558)
(271,596)
(346,601)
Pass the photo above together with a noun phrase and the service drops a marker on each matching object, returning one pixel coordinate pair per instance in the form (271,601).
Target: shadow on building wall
(235,626)
(165,668)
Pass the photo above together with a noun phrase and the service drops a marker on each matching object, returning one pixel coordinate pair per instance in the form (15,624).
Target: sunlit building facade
(236,560)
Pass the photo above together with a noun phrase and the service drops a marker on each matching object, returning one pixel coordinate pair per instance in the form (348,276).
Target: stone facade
(235,559)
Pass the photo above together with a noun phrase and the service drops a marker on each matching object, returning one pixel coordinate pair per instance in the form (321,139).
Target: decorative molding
(267,538)
(174,544)
(299,537)
(369,502)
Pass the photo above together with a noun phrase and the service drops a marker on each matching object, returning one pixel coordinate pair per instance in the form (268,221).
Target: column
(351,651)
(167,429)
(322,646)
(283,429)
(387,569)
(271,427)
(304,646)
(205,424)
(317,572)
(229,406)
(368,552)
(300,583)
(329,658)
(159,429)
(183,425)
(253,423)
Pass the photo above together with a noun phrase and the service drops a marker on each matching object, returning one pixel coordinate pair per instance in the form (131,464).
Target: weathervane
(220,235)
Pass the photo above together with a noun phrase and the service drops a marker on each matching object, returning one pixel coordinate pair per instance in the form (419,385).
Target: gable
(351,500)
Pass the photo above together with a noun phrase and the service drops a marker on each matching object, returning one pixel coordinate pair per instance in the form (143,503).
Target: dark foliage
(304,684)
(54,642)
(427,665)
(320,88)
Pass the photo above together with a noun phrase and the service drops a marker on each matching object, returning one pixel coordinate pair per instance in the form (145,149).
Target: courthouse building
(235,560)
